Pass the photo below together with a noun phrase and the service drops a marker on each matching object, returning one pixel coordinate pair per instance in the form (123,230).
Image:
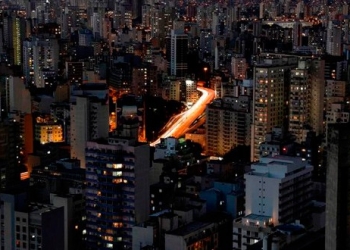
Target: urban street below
(178,126)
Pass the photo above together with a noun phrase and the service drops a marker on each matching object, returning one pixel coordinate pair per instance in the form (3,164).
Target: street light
(205,69)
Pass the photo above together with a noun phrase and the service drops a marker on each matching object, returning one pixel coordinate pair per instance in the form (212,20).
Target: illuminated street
(179,126)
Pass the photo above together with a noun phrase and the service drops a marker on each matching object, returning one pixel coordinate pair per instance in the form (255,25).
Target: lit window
(118,173)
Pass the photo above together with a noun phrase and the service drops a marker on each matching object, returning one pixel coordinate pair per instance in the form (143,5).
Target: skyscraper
(268,101)
(17,40)
(279,187)
(89,120)
(136,6)
(317,95)
(278,191)
(178,49)
(338,190)
(297,33)
(299,102)
(334,39)
(227,124)
(18,96)
(239,67)
(14,32)
(11,152)
(117,193)
(40,57)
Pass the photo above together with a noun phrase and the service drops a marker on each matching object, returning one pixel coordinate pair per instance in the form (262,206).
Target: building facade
(227,124)
(337,192)
(117,193)
(268,102)
(279,187)
(178,53)
(30,226)
(89,120)
(299,102)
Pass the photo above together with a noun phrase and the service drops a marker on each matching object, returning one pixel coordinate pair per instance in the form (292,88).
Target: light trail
(177,127)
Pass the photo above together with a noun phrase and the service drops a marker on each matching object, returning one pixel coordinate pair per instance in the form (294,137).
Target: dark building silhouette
(338,187)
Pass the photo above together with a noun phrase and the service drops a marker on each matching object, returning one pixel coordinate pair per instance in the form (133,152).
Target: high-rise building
(269,192)
(268,102)
(299,101)
(278,191)
(334,39)
(144,79)
(120,78)
(177,53)
(117,193)
(140,82)
(146,15)
(191,91)
(14,34)
(156,21)
(262,9)
(297,34)
(25,225)
(206,42)
(174,90)
(214,22)
(335,92)
(257,28)
(337,192)
(40,57)
(89,120)
(299,11)
(11,152)
(136,8)
(85,37)
(96,21)
(317,96)
(97,5)
(334,67)
(74,72)
(18,96)
(239,67)
(336,114)
(218,86)
(227,124)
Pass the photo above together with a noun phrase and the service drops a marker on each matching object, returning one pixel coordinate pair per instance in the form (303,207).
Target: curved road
(179,126)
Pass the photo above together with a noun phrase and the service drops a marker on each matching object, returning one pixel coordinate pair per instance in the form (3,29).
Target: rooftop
(279,166)
(190,228)
(257,217)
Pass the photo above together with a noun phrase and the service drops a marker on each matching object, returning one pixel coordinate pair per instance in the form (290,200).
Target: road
(178,126)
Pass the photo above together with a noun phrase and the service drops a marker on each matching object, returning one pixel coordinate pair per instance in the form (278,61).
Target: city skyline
(175,125)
